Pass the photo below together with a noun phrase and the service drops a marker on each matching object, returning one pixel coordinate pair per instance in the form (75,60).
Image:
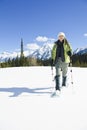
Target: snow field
(25,102)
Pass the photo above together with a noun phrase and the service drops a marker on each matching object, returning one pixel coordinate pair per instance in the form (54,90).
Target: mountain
(80,51)
(6,55)
(34,50)
(42,52)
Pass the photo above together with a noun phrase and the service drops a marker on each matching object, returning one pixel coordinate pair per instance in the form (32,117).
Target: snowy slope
(43,52)
(80,51)
(34,50)
(6,55)
(25,102)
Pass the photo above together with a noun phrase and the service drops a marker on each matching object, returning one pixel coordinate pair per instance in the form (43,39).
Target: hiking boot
(57,78)
(64,81)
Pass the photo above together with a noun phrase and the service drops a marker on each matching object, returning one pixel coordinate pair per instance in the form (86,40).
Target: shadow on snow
(18,91)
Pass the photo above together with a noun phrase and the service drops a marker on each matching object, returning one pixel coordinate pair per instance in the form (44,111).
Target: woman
(61,54)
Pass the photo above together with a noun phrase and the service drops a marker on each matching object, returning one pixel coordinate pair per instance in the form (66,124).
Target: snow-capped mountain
(80,51)
(6,55)
(44,52)
(34,50)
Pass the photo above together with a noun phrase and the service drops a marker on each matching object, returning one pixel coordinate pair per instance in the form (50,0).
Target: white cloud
(32,46)
(41,39)
(35,45)
(85,34)
(51,39)
(44,39)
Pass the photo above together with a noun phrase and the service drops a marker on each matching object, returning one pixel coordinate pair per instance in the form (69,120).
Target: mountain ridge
(34,50)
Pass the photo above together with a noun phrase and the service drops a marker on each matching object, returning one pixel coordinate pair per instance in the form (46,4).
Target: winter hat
(61,33)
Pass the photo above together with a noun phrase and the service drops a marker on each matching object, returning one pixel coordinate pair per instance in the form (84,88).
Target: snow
(25,102)
(44,52)
(81,50)
(33,49)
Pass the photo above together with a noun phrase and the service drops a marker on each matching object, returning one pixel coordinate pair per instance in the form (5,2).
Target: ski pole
(53,79)
(71,73)
(52,73)
(73,88)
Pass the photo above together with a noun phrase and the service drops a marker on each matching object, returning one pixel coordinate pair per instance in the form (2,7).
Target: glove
(69,54)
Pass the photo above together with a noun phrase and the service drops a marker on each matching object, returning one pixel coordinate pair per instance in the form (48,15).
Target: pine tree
(22,54)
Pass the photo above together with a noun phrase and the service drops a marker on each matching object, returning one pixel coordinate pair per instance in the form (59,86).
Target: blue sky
(29,19)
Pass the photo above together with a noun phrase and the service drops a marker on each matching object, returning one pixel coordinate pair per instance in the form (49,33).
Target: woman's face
(61,38)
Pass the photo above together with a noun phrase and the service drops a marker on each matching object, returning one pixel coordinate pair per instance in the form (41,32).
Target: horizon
(41,21)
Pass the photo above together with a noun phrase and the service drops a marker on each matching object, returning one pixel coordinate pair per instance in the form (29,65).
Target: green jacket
(67,48)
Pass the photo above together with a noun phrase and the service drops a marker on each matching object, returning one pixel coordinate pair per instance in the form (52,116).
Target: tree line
(79,60)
